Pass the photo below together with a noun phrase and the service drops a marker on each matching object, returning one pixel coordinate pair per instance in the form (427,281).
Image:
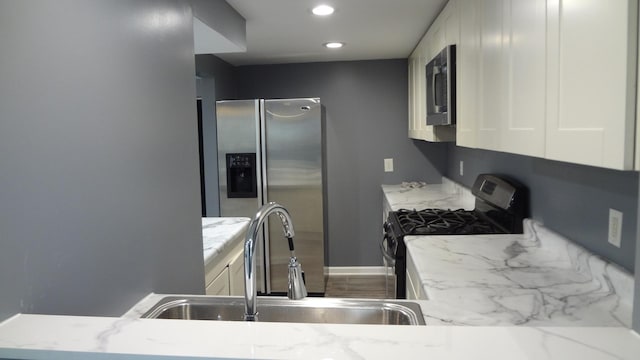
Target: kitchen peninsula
(60,337)
(64,337)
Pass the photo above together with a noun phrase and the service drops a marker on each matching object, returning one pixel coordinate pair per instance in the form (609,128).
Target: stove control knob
(386,226)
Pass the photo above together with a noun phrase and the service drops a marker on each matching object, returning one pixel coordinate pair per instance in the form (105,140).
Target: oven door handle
(385,254)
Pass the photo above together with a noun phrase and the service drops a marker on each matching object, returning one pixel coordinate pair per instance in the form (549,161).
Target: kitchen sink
(309,310)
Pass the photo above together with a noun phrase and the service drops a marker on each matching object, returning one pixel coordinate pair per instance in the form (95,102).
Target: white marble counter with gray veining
(416,195)
(219,233)
(535,279)
(63,337)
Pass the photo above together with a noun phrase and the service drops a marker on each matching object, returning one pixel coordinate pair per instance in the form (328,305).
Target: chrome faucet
(296,289)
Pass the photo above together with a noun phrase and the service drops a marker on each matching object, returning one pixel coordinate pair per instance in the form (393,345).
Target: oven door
(388,252)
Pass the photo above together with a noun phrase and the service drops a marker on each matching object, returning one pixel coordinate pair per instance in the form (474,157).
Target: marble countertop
(63,337)
(448,195)
(219,233)
(535,279)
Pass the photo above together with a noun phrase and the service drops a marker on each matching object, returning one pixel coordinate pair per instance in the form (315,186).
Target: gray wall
(216,82)
(573,200)
(206,90)
(365,105)
(99,182)
(210,66)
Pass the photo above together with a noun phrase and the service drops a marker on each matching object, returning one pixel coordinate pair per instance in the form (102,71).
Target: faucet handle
(296,289)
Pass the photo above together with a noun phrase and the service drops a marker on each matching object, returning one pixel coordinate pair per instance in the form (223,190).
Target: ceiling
(285,31)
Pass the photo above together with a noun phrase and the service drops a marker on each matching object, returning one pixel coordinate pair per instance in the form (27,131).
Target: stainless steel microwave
(441,88)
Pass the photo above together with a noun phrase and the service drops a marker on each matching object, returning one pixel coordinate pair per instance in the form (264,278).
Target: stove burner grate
(444,222)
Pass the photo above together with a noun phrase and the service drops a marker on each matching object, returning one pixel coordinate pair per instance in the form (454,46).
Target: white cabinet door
(411,95)
(451,23)
(438,39)
(467,70)
(416,99)
(220,285)
(424,54)
(236,275)
(501,75)
(493,89)
(590,83)
(523,128)
(417,119)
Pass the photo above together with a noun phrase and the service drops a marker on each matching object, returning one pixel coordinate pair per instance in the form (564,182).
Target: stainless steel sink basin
(309,310)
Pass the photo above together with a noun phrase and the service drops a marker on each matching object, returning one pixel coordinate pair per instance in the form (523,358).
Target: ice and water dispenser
(241,175)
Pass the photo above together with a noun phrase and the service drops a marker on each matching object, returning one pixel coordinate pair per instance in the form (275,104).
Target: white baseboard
(355,270)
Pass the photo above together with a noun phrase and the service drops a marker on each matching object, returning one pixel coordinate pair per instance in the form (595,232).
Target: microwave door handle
(434,97)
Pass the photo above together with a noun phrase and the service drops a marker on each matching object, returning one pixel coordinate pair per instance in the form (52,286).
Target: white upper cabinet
(501,75)
(523,129)
(590,85)
(511,66)
(467,73)
(444,31)
(493,89)
(549,78)
(418,128)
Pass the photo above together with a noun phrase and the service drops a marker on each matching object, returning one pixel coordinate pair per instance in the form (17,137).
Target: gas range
(500,207)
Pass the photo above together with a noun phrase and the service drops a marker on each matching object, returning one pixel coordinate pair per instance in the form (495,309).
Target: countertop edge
(58,337)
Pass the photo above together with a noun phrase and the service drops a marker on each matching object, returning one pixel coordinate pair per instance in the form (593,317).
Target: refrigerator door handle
(260,156)
(264,198)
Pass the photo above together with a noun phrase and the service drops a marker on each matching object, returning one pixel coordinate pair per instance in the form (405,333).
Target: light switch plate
(388,165)
(461,168)
(615,227)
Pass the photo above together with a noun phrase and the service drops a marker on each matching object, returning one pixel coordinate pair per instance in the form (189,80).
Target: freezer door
(239,167)
(238,138)
(294,157)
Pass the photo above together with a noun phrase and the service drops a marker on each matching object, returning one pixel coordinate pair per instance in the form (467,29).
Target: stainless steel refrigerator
(272,150)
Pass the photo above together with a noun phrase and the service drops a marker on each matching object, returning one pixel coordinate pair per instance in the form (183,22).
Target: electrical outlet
(615,227)
(461,167)
(388,165)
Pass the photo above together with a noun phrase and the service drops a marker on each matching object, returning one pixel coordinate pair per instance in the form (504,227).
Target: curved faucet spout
(250,243)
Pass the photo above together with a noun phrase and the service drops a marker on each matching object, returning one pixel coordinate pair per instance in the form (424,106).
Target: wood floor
(359,286)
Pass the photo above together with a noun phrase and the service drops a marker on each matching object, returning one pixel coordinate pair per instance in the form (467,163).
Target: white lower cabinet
(226,275)
(219,285)
(236,275)
(414,285)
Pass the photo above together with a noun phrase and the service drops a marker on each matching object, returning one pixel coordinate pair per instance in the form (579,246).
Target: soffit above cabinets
(217,28)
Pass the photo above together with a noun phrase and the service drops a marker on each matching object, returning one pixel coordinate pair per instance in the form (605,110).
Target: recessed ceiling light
(322,10)
(333,45)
